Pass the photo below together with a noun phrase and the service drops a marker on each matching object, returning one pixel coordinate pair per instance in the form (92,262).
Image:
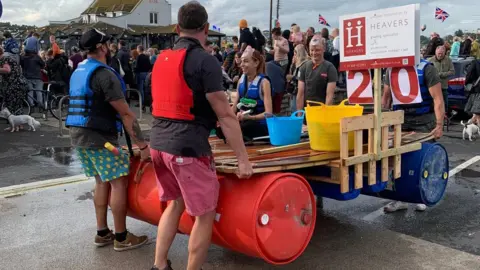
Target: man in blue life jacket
(425,117)
(96,112)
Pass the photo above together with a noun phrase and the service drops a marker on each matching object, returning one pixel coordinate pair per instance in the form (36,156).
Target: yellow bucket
(323,123)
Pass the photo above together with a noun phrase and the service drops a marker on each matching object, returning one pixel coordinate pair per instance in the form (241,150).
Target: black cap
(91,39)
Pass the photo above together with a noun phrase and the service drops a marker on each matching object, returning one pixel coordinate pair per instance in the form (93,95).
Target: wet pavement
(54,229)
(446,236)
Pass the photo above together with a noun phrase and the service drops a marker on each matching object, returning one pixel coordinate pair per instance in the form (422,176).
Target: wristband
(141,149)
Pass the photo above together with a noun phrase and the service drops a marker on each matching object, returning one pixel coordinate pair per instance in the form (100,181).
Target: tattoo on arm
(137,132)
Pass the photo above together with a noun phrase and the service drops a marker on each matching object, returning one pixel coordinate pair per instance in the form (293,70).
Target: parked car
(457,98)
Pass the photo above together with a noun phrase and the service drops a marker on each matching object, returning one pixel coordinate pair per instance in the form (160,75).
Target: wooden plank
(384,159)
(397,142)
(377,109)
(344,176)
(321,179)
(283,148)
(401,150)
(358,151)
(228,169)
(354,160)
(392,118)
(292,161)
(357,123)
(372,164)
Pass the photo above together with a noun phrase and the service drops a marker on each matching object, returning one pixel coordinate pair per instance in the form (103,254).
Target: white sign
(380,38)
(405,86)
(359,87)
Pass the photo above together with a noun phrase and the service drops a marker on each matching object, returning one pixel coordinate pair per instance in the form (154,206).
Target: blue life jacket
(426,106)
(87,108)
(253,92)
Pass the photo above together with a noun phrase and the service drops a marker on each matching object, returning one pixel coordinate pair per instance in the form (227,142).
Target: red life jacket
(172,97)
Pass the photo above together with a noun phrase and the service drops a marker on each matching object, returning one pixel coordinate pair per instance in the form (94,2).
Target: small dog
(470,129)
(16,121)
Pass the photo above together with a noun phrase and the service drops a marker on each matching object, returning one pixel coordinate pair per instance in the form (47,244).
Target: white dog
(16,121)
(470,129)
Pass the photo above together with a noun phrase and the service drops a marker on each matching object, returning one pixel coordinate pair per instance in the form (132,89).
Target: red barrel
(270,216)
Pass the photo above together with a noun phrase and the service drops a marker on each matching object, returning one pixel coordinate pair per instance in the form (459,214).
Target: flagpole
(271,17)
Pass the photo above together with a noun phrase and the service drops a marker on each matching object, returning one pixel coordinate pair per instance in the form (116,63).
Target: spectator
(475,49)
(75,59)
(300,56)
(142,68)
(11,47)
(217,54)
(276,74)
(58,70)
(285,35)
(328,44)
(281,49)
(153,55)
(455,50)
(229,57)
(32,44)
(235,43)
(466,47)
(246,37)
(318,78)
(209,47)
(444,66)
(259,39)
(11,79)
(114,61)
(32,66)
(124,56)
(235,71)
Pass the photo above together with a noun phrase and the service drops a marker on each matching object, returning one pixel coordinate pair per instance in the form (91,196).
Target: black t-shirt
(202,73)
(247,37)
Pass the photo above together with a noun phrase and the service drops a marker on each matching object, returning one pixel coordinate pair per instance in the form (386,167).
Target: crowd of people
(26,67)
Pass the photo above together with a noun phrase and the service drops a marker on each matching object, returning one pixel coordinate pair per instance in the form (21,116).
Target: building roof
(164,30)
(102,6)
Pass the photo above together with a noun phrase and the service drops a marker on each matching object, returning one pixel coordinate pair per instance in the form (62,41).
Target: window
(153,18)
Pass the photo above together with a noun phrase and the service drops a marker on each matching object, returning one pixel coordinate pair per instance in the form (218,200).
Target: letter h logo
(354,36)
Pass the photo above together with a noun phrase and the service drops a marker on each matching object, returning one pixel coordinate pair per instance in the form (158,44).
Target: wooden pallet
(266,158)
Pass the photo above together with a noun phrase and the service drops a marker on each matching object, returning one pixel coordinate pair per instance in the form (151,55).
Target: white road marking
(19,189)
(380,212)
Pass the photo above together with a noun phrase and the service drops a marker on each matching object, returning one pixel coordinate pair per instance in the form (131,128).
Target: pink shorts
(194,179)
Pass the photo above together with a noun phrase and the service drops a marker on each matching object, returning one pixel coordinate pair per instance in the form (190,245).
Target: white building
(122,13)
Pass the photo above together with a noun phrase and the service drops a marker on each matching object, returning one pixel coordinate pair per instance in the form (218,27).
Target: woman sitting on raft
(254,97)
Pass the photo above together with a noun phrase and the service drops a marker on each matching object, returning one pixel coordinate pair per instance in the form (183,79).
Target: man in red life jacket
(188,98)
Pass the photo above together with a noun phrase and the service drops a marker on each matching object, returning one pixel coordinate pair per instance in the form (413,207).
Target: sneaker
(420,207)
(131,242)
(105,240)
(395,206)
(168,267)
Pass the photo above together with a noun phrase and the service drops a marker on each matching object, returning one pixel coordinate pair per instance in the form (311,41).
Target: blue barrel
(332,191)
(424,177)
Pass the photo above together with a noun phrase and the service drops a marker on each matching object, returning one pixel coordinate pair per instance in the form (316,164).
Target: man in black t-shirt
(186,107)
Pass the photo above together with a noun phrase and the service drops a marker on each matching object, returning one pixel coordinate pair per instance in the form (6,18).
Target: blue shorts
(102,162)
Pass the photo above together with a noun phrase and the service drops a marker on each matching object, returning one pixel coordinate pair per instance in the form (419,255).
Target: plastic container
(323,123)
(424,176)
(271,216)
(285,130)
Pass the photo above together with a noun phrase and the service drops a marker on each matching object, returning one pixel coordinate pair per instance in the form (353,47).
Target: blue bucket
(285,130)
(424,177)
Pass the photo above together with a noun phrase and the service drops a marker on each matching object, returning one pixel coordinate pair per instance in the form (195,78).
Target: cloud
(227,13)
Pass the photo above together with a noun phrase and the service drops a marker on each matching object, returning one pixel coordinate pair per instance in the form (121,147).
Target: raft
(272,215)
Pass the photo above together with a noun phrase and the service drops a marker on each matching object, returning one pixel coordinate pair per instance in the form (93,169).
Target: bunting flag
(322,20)
(215,28)
(441,14)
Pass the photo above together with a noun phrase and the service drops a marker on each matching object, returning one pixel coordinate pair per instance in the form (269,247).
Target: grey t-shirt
(426,122)
(316,79)
(102,80)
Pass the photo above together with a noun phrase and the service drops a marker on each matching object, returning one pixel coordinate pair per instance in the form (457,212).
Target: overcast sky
(226,13)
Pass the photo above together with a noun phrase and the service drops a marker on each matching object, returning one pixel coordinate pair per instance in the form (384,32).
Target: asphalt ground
(52,229)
